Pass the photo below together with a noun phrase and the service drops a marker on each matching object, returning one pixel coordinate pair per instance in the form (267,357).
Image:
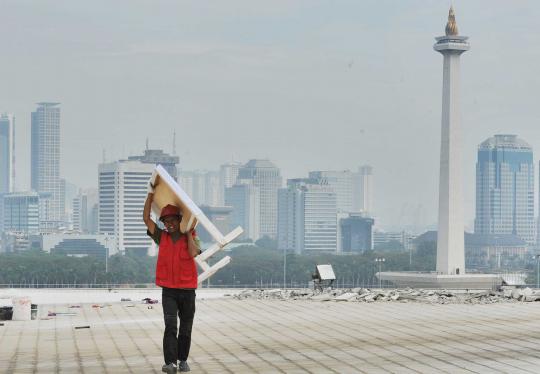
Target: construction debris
(396,295)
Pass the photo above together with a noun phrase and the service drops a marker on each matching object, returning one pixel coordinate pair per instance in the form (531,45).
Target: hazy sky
(309,84)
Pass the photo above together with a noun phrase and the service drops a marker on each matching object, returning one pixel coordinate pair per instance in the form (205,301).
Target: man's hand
(194,247)
(152,182)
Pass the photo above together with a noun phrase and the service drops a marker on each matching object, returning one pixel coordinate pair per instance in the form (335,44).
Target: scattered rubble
(506,295)
(148,300)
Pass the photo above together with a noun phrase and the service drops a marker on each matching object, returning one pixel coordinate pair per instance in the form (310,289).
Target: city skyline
(321,77)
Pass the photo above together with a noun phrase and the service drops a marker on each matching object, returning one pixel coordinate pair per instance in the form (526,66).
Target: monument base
(448,281)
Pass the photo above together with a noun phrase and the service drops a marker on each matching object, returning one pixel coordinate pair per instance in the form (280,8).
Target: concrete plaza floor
(251,336)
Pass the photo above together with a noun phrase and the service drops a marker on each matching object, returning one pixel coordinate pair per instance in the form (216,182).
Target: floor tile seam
(115,344)
(146,334)
(201,346)
(210,354)
(414,343)
(36,347)
(504,347)
(93,338)
(437,342)
(378,337)
(303,334)
(355,356)
(407,357)
(270,349)
(224,347)
(281,343)
(76,345)
(454,331)
(350,354)
(14,357)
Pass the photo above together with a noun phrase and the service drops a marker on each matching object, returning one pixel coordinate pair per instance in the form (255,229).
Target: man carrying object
(176,274)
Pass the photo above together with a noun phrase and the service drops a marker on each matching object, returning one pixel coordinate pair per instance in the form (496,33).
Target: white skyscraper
(7,152)
(45,160)
(122,193)
(363,190)
(227,176)
(307,217)
(450,239)
(83,206)
(267,178)
(342,183)
(202,186)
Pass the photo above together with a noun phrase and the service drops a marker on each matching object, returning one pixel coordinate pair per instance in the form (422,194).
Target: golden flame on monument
(451,26)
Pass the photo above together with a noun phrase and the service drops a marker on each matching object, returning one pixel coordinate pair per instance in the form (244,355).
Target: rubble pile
(395,295)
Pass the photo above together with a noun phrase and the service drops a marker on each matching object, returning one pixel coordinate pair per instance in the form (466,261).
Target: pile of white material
(395,295)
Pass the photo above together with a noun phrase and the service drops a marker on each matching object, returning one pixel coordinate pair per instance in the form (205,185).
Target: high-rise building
(122,193)
(244,200)
(158,157)
(21,212)
(386,239)
(450,239)
(7,152)
(45,159)
(355,233)
(227,176)
(307,217)
(505,188)
(79,208)
(202,186)
(267,178)
(212,189)
(362,191)
(84,207)
(342,183)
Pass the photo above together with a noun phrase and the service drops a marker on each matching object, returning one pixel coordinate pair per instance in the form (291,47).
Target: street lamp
(380,261)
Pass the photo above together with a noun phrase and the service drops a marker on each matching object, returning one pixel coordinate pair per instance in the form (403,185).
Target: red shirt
(175,266)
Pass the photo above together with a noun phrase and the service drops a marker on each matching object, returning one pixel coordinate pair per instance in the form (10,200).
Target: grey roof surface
(260,336)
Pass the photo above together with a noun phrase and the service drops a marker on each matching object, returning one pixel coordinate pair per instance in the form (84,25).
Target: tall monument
(450,239)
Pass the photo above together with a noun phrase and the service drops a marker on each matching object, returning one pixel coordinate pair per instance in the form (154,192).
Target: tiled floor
(233,336)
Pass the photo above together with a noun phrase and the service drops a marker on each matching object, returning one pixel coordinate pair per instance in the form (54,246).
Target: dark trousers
(176,342)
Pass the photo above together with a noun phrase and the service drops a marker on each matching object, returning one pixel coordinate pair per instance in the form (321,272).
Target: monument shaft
(450,237)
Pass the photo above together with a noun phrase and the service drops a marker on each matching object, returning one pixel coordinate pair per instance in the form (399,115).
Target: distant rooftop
(45,103)
(261,163)
(504,141)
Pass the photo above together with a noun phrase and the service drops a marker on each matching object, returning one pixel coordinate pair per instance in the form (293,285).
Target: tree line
(250,266)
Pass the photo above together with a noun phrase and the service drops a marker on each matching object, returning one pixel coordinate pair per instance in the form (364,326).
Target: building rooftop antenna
(174,143)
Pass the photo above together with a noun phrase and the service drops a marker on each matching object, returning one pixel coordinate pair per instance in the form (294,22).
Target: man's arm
(193,244)
(151,225)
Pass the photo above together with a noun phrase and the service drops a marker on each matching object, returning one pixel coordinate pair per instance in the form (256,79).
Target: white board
(168,191)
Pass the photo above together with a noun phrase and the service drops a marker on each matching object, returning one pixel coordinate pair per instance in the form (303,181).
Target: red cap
(169,210)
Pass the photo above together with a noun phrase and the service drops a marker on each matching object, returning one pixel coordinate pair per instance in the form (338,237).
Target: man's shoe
(169,369)
(183,366)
